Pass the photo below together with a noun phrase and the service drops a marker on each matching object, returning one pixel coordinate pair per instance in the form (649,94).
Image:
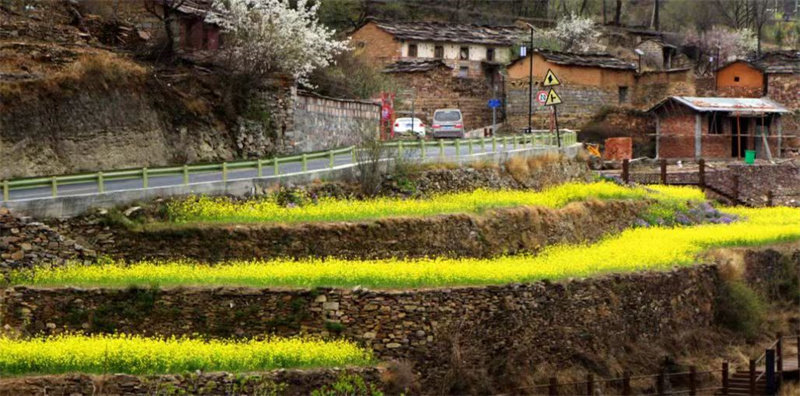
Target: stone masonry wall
(322,123)
(581,103)
(511,327)
(293,382)
(784,89)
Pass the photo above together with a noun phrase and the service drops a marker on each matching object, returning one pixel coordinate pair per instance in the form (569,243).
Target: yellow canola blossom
(139,355)
(207,209)
(654,248)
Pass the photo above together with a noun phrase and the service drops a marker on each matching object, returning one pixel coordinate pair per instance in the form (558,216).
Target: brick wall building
(740,79)
(774,74)
(692,127)
(435,87)
(472,51)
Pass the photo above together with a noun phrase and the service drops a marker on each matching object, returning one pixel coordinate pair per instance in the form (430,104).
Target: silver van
(448,123)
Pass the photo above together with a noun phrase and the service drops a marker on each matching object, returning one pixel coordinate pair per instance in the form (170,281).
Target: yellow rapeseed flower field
(139,355)
(655,248)
(208,209)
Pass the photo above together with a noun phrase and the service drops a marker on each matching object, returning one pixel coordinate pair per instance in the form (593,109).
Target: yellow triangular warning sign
(552,98)
(550,80)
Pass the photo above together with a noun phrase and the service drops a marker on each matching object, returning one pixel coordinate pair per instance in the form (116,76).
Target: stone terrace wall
(296,382)
(784,88)
(504,231)
(322,123)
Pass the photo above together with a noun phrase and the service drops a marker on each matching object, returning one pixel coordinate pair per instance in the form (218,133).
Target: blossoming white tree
(270,36)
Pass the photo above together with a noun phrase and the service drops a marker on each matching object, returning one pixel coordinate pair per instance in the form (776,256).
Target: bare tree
(618,13)
(759,16)
(167,12)
(735,13)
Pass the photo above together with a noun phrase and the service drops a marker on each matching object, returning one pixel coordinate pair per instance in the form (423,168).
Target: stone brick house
(472,51)
(590,83)
(693,127)
(436,87)
(774,74)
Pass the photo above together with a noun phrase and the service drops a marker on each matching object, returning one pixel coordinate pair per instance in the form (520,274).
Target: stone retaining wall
(525,229)
(292,382)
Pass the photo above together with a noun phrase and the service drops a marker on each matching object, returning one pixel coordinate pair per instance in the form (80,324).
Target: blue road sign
(494,103)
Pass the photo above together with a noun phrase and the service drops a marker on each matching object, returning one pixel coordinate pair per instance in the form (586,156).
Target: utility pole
(529,53)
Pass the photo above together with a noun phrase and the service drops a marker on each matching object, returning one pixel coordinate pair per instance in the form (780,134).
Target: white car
(403,126)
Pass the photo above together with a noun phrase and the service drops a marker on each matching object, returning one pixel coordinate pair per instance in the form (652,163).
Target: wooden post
(702,174)
(663,171)
(779,353)
(692,381)
(626,384)
(769,375)
(660,382)
(553,389)
(753,377)
(626,175)
(770,201)
(725,374)
(590,384)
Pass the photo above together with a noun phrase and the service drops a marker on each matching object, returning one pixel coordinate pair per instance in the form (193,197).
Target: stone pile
(25,244)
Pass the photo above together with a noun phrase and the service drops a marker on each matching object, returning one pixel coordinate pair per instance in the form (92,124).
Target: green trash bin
(749,157)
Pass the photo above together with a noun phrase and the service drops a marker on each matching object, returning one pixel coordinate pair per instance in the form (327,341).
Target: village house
(774,74)
(590,83)
(657,55)
(471,51)
(692,127)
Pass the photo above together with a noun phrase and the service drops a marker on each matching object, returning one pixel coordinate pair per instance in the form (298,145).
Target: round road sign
(541,97)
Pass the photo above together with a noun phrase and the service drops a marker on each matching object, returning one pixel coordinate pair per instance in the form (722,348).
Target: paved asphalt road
(431,152)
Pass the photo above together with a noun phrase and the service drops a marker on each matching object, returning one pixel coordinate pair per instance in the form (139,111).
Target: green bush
(739,308)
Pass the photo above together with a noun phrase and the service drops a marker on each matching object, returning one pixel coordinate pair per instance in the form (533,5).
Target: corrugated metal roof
(733,105)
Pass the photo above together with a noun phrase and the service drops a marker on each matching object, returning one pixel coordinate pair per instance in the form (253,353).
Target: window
(736,79)
(490,54)
(623,95)
(463,72)
(438,52)
(412,50)
(464,53)
(716,124)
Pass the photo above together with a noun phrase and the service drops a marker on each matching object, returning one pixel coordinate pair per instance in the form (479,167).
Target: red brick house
(692,127)
(774,74)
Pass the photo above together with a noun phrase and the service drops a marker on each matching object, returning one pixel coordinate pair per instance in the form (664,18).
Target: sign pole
(558,133)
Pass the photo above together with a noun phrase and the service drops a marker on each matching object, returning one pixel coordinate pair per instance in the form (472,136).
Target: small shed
(657,54)
(692,127)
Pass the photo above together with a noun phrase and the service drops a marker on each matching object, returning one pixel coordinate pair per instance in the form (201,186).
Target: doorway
(739,140)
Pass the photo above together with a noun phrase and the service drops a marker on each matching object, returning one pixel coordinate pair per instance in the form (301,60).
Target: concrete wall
(322,123)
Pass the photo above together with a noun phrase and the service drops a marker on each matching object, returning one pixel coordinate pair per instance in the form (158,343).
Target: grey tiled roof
(416,65)
(601,60)
(452,32)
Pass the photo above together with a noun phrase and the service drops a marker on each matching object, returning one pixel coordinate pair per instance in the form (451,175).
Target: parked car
(448,123)
(403,126)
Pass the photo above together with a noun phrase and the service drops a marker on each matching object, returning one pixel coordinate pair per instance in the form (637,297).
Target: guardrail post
(590,384)
(458,148)
(330,159)
(660,383)
(505,143)
(399,149)
(725,375)
(663,163)
(259,167)
(353,152)
(514,142)
(422,148)
(5,190)
(553,388)
(276,167)
(483,145)
(144,177)
(470,147)
(185,174)
(692,381)
(494,143)
(304,160)
(224,171)
(54,186)
(441,148)
(752,373)
(100,183)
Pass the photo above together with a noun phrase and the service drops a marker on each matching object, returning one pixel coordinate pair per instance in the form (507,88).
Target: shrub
(739,308)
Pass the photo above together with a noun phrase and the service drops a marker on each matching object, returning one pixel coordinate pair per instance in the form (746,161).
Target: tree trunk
(618,13)
(168,18)
(656,18)
(605,14)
